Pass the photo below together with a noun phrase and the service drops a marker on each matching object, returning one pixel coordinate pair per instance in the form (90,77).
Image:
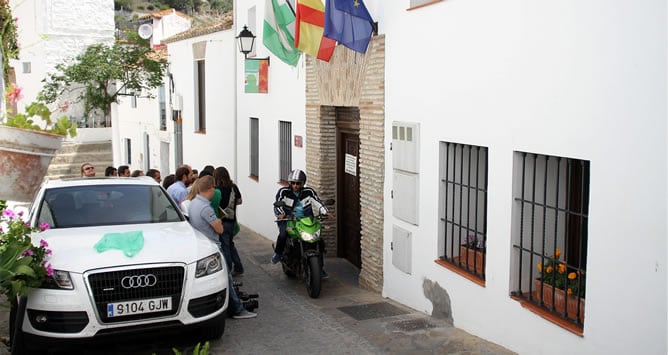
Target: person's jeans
(235,302)
(282,237)
(232,259)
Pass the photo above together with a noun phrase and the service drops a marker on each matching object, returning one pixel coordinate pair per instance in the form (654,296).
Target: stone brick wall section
(350,79)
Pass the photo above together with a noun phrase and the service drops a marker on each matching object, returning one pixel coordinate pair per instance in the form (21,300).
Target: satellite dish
(145,31)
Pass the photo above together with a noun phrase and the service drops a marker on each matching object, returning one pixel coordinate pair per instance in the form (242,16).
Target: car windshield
(99,205)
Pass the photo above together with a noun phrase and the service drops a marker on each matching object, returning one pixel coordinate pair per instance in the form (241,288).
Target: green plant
(98,76)
(8,37)
(204,350)
(62,126)
(22,265)
(558,275)
(476,242)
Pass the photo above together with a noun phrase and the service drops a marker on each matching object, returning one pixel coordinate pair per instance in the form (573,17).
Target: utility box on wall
(405,169)
(405,139)
(401,249)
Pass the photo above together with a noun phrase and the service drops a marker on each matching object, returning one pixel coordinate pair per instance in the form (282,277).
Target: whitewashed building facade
(562,107)
(51,32)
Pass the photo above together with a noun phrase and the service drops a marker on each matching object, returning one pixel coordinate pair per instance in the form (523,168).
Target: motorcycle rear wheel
(312,277)
(287,271)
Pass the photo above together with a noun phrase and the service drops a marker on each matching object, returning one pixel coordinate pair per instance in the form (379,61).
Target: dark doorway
(348,185)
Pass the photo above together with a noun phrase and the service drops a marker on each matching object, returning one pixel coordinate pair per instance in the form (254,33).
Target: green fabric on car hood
(130,243)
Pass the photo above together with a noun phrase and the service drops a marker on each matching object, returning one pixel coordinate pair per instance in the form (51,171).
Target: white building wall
(285,101)
(50,32)
(571,79)
(167,26)
(216,147)
(133,123)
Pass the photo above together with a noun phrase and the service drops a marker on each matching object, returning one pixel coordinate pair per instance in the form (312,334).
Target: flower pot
(560,300)
(474,258)
(25,156)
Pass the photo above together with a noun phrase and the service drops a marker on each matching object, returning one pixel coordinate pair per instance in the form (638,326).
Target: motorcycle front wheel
(312,277)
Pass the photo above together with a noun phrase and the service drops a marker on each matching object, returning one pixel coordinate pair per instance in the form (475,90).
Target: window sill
(423,5)
(573,328)
(475,279)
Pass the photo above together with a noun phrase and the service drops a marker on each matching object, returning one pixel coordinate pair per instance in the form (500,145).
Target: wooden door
(348,189)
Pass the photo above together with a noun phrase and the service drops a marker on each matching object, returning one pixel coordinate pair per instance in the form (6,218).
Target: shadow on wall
(440,300)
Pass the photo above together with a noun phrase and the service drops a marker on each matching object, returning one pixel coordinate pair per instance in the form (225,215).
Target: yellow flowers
(561,268)
(562,275)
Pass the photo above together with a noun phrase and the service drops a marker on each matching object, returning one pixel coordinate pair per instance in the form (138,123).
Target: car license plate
(120,309)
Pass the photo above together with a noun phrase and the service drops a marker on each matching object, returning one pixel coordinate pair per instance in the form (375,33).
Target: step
(74,148)
(80,158)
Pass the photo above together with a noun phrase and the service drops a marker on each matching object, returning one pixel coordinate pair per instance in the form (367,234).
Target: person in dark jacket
(301,200)
(230,197)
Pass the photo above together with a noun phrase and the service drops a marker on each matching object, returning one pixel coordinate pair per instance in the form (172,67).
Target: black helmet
(297,176)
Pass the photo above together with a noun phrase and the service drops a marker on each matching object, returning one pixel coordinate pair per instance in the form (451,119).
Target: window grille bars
(551,236)
(464,189)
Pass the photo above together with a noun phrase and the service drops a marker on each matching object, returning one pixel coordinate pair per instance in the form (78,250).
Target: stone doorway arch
(350,79)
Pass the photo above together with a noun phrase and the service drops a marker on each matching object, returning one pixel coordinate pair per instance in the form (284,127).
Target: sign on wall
(257,76)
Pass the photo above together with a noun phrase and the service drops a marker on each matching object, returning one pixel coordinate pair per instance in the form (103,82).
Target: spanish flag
(310,25)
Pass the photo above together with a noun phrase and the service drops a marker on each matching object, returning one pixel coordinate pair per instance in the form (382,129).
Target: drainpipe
(177,106)
(178,131)
(236,103)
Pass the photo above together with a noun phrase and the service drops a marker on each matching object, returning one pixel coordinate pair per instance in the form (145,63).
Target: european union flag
(348,22)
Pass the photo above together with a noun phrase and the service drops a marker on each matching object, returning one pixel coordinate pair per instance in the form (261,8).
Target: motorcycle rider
(302,200)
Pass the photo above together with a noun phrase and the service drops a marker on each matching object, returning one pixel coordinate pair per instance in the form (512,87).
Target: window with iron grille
(163,108)
(200,96)
(549,233)
(128,150)
(254,147)
(285,149)
(463,201)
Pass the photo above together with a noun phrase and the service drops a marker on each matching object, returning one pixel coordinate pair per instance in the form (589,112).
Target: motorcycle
(303,255)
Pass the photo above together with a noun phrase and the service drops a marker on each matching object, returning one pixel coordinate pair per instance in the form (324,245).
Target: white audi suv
(126,263)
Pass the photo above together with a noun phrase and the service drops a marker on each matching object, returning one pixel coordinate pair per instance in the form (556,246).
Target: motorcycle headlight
(59,280)
(310,236)
(209,265)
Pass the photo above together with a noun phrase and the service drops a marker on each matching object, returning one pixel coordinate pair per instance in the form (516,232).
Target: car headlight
(209,265)
(306,236)
(59,280)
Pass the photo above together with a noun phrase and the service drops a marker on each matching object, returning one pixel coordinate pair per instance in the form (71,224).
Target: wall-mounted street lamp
(246,41)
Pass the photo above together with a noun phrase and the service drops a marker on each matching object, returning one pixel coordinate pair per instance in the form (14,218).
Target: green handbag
(236,229)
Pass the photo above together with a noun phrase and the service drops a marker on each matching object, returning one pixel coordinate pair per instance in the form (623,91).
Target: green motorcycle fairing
(310,225)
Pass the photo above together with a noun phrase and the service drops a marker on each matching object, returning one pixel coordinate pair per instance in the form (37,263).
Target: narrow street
(345,319)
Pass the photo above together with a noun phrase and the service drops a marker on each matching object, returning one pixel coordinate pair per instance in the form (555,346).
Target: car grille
(107,288)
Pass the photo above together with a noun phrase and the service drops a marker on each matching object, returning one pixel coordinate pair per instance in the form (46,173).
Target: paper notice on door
(351,164)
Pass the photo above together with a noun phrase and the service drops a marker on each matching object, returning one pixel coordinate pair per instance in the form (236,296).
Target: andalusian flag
(278,32)
(309,30)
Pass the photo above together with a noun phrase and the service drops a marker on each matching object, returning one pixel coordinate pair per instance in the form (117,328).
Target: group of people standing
(88,170)
(210,201)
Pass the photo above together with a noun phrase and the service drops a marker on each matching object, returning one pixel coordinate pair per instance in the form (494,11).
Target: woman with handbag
(230,198)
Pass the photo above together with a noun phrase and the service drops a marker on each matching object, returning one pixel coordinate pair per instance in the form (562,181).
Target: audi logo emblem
(136,281)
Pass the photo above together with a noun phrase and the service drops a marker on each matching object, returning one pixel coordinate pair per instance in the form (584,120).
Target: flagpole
(291,9)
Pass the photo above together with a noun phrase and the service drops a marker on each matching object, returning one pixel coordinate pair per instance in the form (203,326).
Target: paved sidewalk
(345,319)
